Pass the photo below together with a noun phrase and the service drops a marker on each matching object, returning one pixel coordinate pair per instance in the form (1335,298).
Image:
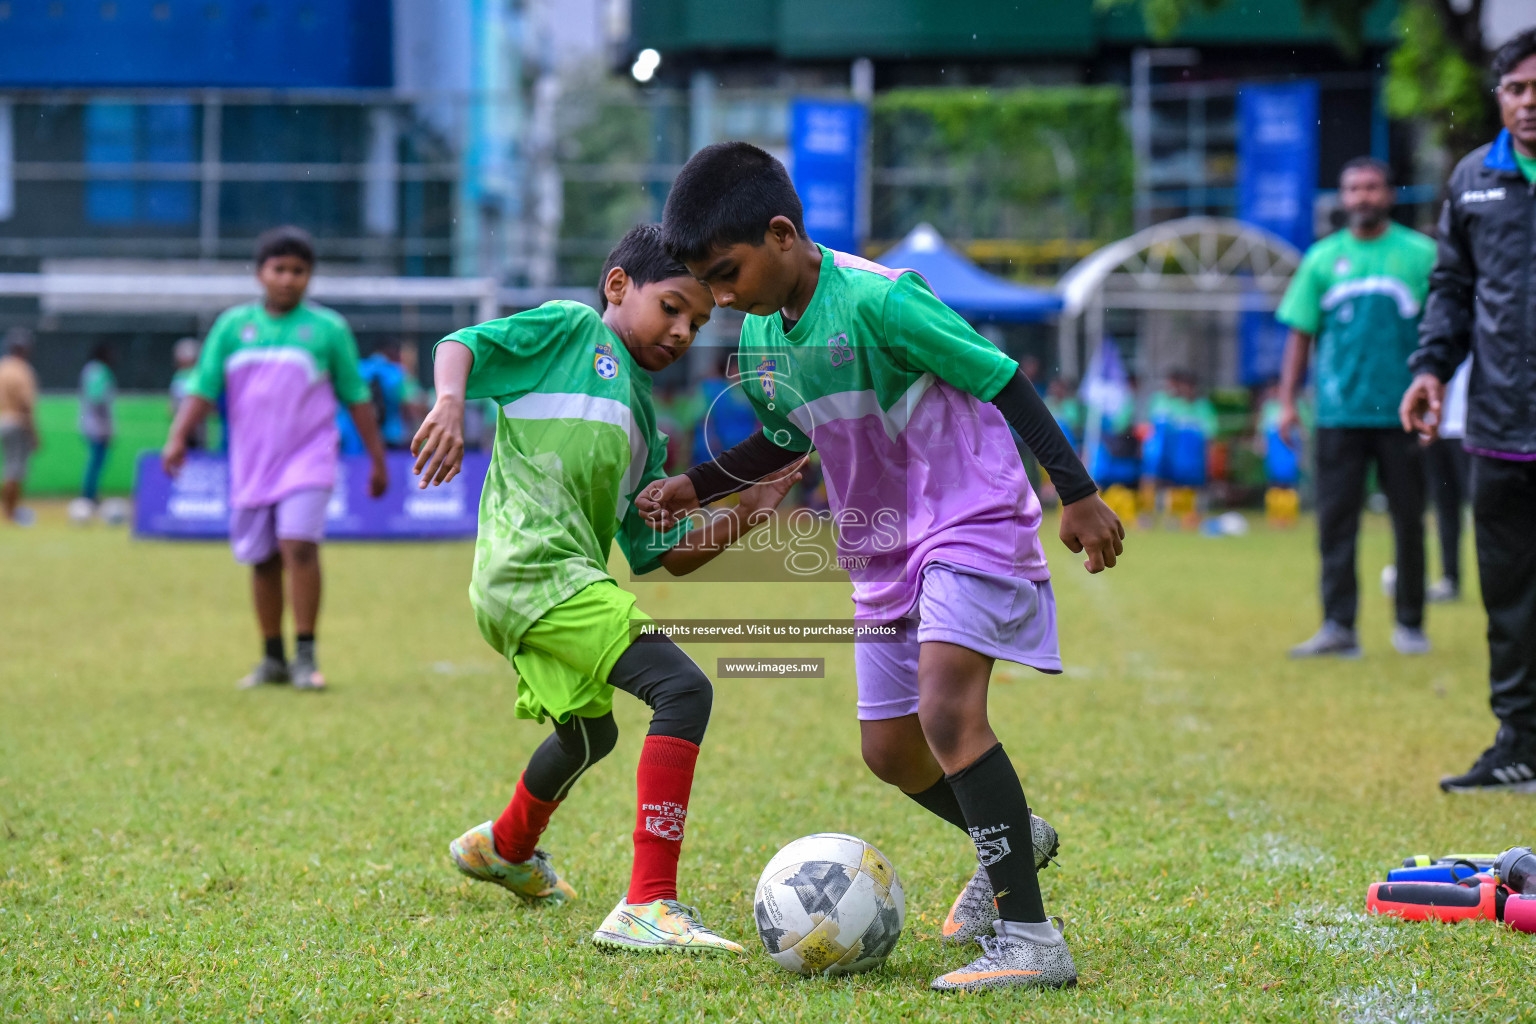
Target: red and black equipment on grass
(1499,895)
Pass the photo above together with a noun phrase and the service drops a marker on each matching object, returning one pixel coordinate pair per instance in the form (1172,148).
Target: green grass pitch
(176,850)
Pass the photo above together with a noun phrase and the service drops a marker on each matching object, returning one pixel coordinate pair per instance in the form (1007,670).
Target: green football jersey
(575,443)
(1362,301)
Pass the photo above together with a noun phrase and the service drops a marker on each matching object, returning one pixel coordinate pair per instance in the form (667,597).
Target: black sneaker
(1506,766)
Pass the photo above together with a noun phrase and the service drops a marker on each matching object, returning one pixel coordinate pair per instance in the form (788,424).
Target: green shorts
(564,658)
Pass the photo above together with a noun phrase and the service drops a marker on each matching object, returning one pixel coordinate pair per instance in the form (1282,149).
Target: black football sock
(997,817)
(939,798)
(272,647)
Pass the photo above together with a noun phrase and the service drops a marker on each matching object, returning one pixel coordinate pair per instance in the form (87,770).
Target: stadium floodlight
(645,65)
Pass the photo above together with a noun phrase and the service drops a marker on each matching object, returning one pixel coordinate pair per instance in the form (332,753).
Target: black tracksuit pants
(1343,453)
(1504,512)
(1445,463)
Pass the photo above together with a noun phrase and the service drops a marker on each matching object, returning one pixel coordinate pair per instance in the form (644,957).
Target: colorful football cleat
(663,926)
(974,909)
(533,881)
(1010,962)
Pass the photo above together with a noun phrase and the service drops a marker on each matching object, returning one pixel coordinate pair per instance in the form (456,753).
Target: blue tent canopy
(965,287)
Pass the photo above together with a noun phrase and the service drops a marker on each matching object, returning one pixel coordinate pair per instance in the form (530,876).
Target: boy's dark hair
(1368,163)
(641,255)
(724,195)
(285,241)
(1521,46)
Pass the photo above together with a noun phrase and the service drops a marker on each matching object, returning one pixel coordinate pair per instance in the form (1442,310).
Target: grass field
(175,850)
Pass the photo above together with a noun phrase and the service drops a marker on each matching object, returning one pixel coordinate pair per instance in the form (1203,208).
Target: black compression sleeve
(739,468)
(657,671)
(1026,413)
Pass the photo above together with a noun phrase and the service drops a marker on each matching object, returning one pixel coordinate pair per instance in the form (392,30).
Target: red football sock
(663,782)
(518,829)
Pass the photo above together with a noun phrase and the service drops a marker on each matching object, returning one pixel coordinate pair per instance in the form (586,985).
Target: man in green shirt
(1359,293)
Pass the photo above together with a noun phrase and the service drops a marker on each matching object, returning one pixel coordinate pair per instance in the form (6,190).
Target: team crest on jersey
(765,375)
(603,362)
(248,333)
(306,332)
(1341,267)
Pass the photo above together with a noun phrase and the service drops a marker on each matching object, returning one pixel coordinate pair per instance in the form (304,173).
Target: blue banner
(1276,184)
(826,139)
(1261,346)
(194,505)
(1277,158)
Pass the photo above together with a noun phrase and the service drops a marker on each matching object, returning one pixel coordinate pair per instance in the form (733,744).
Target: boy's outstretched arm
(1087,524)
(192,413)
(934,338)
(439,443)
(724,527)
(668,501)
(367,423)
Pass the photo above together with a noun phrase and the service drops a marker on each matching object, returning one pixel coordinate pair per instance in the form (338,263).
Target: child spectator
(283,363)
(1061,398)
(1180,425)
(1282,462)
(98,388)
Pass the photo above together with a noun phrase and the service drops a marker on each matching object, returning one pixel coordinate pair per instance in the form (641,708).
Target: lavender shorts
(254,532)
(1003,617)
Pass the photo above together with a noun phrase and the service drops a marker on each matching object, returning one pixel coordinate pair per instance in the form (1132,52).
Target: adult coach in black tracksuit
(1483,297)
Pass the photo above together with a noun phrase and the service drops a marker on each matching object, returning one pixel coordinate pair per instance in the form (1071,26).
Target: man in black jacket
(1483,297)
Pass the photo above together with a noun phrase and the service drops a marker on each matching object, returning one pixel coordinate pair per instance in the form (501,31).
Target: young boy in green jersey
(281,364)
(575,442)
(910,409)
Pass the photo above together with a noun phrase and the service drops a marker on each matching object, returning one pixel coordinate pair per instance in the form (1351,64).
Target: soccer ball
(80,511)
(114,511)
(829,904)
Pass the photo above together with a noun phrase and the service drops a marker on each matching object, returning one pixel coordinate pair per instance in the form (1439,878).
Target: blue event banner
(1277,158)
(1276,184)
(826,139)
(194,505)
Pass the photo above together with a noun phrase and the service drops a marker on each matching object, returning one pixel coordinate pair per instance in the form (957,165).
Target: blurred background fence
(512,141)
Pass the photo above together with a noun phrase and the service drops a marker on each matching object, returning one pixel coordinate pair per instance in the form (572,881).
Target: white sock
(1041,933)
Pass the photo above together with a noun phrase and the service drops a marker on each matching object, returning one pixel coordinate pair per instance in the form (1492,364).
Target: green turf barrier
(58,467)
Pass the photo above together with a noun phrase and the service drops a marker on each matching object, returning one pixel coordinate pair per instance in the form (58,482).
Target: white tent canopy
(1196,264)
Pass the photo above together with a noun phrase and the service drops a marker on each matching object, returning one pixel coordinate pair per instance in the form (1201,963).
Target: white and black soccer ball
(829,904)
(80,511)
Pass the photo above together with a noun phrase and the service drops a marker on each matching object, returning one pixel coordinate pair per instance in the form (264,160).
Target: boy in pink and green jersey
(281,365)
(910,409)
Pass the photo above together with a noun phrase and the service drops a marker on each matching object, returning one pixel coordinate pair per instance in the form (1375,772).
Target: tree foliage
(1436,72)
(1034,163)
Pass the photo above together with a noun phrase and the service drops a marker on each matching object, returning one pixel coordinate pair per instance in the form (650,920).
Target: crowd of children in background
(1156,455)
